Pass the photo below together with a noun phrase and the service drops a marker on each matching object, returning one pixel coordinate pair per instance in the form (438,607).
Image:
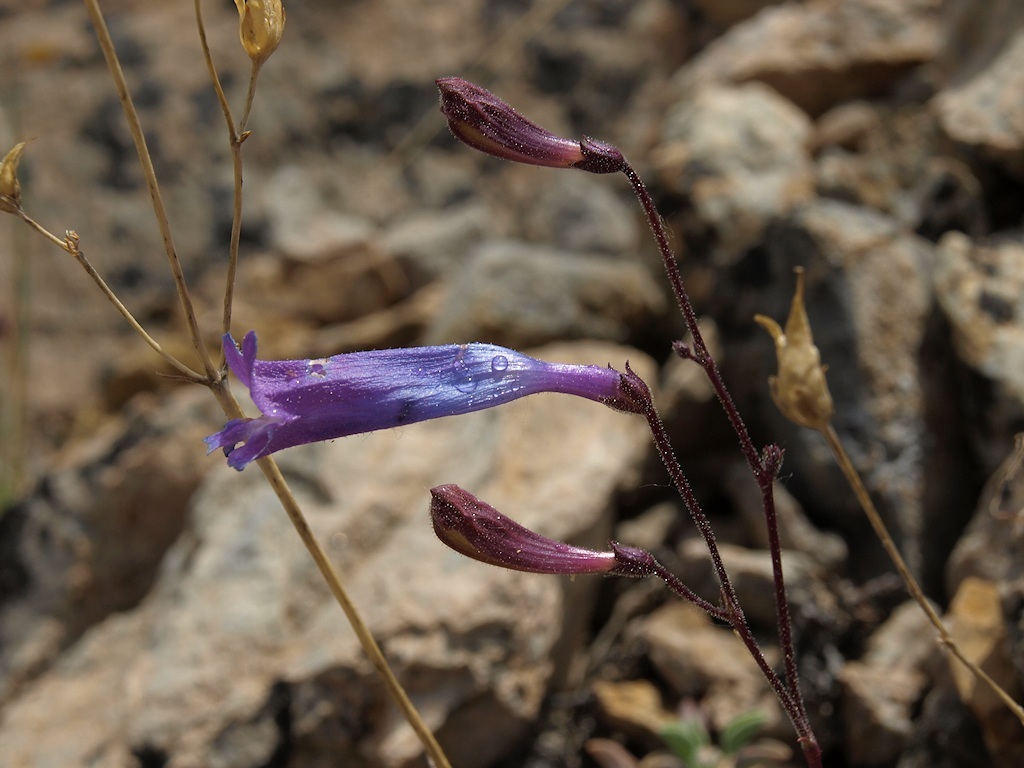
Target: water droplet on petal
(317,367)
(464,381)
(499,363)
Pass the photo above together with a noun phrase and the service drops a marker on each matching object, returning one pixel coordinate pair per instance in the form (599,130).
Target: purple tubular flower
(479,531)
(486,123)
(304,401)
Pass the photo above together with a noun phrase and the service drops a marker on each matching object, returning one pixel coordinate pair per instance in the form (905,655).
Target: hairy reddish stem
(764,475)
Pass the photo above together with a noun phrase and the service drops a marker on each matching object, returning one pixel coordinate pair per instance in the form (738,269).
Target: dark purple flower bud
(486,123)
(304,401)
(479,531)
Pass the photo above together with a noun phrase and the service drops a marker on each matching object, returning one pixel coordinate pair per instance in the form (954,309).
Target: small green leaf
(685,738)
(741,730)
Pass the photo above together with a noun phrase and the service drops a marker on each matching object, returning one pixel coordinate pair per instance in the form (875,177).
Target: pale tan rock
(519,294)
(976,284)
(239,627)
(741,153)
(982,70)
(992,546)
(882,690)
(633,707)
(796,532)
(821,53)
(434,244)
(729,12)
(886,282)
(978,628)
(753,579)
(90,543)
(846,125)
(708,662)
(304,225)
(878,704)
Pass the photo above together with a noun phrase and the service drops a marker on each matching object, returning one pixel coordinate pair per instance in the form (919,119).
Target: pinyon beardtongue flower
(484,122)
(479,531)
(305,401)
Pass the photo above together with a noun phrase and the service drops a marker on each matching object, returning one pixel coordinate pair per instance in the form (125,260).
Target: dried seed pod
(10,187)
(261,24)
(800,390)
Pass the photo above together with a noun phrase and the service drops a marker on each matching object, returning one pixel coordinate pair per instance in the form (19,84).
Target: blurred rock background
(157,610)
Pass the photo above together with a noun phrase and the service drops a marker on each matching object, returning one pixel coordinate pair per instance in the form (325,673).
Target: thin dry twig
(272,473)
(146,162)
(235,146)
(801,393)
(70,244)
(216,380)
(853,478)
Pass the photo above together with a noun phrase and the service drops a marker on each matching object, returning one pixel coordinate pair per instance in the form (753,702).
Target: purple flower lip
(484,122)
(305,401)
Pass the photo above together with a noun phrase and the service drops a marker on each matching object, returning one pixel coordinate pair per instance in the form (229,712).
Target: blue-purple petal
(304,401)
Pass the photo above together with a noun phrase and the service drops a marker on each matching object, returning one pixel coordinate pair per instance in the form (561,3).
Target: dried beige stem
(801,392)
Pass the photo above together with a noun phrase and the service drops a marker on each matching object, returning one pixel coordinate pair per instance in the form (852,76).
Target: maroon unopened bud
(486,123)
(478,530)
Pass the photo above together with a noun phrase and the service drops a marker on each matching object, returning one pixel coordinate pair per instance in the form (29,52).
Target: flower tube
(481,120)
(305,401)
(477,530)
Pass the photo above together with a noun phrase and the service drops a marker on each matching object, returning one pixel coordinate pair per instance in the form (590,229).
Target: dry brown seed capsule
(800,390)
(261,24)
(10,187)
